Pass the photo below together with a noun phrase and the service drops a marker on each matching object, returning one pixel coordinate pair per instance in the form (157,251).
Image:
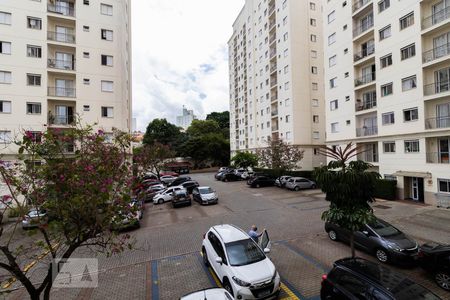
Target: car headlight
(240,282)
(394,247)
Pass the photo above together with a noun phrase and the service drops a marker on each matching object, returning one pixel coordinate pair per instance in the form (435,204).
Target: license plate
(264,293)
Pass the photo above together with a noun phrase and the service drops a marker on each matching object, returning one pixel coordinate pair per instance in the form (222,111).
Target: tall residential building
(186,118)
(60,59)
(387,72)
(276,77)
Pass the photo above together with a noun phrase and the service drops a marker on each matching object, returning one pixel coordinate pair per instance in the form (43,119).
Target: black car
(180,180)
(381,239)
(231,177)
(435,258)
(357,278)
(189,185)
(181,198)
(261,181)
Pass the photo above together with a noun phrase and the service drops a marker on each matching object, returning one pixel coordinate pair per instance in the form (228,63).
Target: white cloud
(180,56)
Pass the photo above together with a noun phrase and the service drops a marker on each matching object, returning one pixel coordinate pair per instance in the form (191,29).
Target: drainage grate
(382,206)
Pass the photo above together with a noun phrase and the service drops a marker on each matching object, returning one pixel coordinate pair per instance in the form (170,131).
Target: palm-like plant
(349,186)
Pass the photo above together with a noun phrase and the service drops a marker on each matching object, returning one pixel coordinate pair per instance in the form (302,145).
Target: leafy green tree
(211,147)
(161,131)
(279,155)
(203,127)
(245,160)
(349,186)
(222,118)
(152,158)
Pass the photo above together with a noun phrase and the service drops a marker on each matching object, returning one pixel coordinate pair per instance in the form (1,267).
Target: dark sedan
(189,185)
(261,181)
(231,177)
(435,258)
(180,180)
(381,239)
(181,198)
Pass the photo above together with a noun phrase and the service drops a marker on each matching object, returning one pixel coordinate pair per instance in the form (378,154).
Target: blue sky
(180,56)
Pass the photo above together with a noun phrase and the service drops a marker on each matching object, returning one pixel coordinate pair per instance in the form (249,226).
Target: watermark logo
(75,273)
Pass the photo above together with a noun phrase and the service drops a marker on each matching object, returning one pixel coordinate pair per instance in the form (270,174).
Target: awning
(413,174)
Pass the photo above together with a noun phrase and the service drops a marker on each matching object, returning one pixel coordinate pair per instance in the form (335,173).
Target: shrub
(386,189)
(277,173)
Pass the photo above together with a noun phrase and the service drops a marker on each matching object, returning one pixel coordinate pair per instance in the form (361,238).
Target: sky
(180,57)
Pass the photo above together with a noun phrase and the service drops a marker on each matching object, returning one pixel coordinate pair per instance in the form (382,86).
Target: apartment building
(60,59)
(276,77)
(387,89)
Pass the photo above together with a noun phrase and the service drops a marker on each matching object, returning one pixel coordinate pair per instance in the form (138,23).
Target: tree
(211,147)
(161,131)
(245,159)
(203,127)
(280,156)
(349,187)
(222,118)
(153,157)
(83,181)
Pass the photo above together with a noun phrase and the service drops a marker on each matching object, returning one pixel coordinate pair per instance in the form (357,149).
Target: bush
(386,189)
(14,212)
(277,173)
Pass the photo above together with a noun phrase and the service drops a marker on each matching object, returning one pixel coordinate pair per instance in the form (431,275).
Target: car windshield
(207,190)
(244,252)
(384,229)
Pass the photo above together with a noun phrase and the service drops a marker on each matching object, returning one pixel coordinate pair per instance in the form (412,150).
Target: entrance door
(415,188)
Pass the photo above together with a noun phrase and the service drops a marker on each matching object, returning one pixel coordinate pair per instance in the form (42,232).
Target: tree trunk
(352,244)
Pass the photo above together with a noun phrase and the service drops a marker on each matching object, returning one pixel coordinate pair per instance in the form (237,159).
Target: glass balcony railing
(363,28)
(64,10)
(62,92)
(365,79)
(436,18)
(366,104)
(359,3)
(438,158)
(61,64)
(61,37)
(436,123)
(436,88)
(364,53)
(366,131)
(436,53)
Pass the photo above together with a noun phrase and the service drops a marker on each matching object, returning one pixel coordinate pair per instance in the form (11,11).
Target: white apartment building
(387,89)
(276,77)
(186,118)
(60,59)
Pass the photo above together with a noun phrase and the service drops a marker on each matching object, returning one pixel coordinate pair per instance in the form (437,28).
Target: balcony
(274,113)
(364,53)
(369,156)
(358,4)
(368,78)
(274,97)
(271,9)
(436,88)
(61,37)
(61,119)
(274,127)
(366,104)
(273,53)
(436,18)
(366,131)
(436,123)
(68,65)
(362,28)
(61,92)
(438,158)
(273,67)
(64,10)
(272,38)
(436,53)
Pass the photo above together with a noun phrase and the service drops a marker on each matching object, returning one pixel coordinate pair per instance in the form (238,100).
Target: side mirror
(219,260)
(266,250)
(365,232)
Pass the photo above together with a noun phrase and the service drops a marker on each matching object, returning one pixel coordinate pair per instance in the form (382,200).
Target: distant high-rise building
(186,119)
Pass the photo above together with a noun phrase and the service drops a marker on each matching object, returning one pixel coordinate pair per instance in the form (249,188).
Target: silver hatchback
(298,183)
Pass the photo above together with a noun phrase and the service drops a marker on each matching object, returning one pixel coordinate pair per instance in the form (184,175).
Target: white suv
(166,195)
(240,263)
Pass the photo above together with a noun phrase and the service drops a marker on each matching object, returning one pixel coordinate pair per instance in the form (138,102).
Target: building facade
(387,89)
(62,60)
(276,77)
(186,118)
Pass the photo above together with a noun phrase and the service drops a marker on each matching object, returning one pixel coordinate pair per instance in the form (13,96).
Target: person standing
(253,233)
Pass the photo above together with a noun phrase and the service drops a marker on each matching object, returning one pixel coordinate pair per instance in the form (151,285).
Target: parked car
(139,206)
(189,185)
(153,191)
(239,171)
(34,218)
(128,219)
(281,181)
(167,179)
(168,173)
(219,176)
(166,195)
(247,174)
(261,181)
(257,174)
(205,195)
(240,263)
(180,180)
(147,176)
(435,258)
(209,294)
(381,239)
(223,169)
(231,177)
(357,278)
(298,183)
(180,198)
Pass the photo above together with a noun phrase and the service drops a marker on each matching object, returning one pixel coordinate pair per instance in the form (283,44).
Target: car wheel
(296,189)
(257,185)
(160,201)
(381,255)
(227,286)
(332,235)
(313,186)
(443,280)
(205,257)
(225,180)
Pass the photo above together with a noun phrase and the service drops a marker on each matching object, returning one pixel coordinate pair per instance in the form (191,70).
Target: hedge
(277,173)
(386,189)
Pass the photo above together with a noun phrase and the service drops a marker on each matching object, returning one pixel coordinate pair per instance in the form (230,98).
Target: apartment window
(286,69)
(312,22)
(315,86)
(107,60)
(412,146)
(388,118)
(347,98)
(5,18)
(107,112)
(346,74)
(409,83)
(34,23)
(383,5)
(333,82)
(106,9)
(386,61)
(313,53)
(86,54)
(5,77)
(312,6)
(287,102)
(85,28)
(408,51)
(287,118)
(344,3)
(5,47)
(315,102)
(34,79)
(36,136)
(107,35)
(335,127)
(284,4)
(347,122)
(86,2)
(345,50)
(107,86)
(314,70)
(315,119)
(407,21)
(5,137)
(334,105)
(5,107)
(385,32)
(284,20)
(332,38)
(411,114)
(313,38)
(286,86)
(86,81)
(33,108)
(316,135)
(386,89)
(285,37)
(34,51)
(389,147)
(288,135)
(332,61)
(331,16)
(444,185)
(286,53)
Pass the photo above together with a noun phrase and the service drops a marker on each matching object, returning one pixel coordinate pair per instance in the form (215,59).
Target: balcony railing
(61,119)
(364,53)
(61,64)
(436,123)
(436,53)
(273,52)
(362,28)
(272,38)
(61,9)
(436,88)
(272,23)
(273,67)
(274,113)
(438,158)
(367,104)
(274,127)
(274,97)
(365,79)
(368,157)
(273,82)
(359,3)
(271,9)
(436,18)
(62,92)
(61,37)
(367,131)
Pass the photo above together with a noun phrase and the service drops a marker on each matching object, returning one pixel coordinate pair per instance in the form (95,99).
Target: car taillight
(324,277)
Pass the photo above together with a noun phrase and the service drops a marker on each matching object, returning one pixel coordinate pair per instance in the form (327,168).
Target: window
(312,6)
(106,9)
(5,77)
(409,83)
(347,122)
(383,5)
(332,61)
(86,2)
(315,86)
(387,177)
(286,86)
(388,118)
(316,135)
(335,127)
(331,16)
(385,32)
(412,146)
(313,38)
(107,60)
(352,284)
(386,61)
(107,35)
(5,18)
(408,51)
(347,98)
(313,53)
(5,47)
(389,147)
(36,136)
(34,79)
(287,102)
(34,23)
(333,82)
(411,114)
(285,37)
(5,137)
(5,107)
(315,102)
(34,51)
(332,38)
(286,69)
(386,89)
(288,135)
(407,21)
(86,54)
(284,4)
(107,86)
(284,20)
(86,108)
(86,81)
(287,118)
(33,108)
(314,70)
(315,119)
(444,185)
(312,22)
(286,53)
(85,28)
(334,105)
(107,112)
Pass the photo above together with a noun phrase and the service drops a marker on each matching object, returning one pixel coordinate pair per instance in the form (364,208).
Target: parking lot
(166,261)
